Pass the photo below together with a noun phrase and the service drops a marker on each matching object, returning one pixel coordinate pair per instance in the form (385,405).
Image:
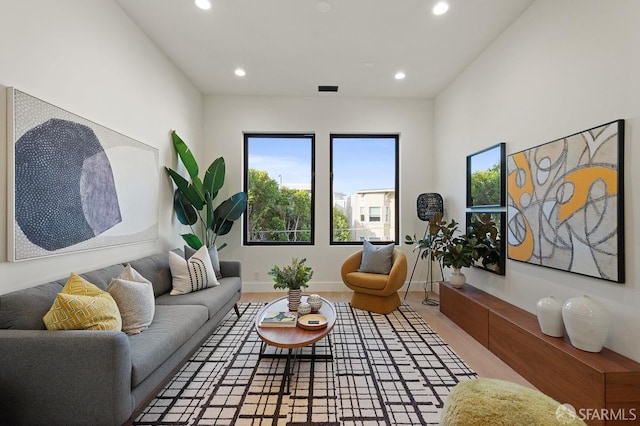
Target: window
(279,170)
(364,180)
(374,214)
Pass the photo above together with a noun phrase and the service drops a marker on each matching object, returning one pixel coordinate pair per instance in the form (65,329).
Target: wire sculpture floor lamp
(428,204)
(429,281)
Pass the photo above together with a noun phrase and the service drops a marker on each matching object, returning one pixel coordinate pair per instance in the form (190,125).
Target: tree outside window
(280,188)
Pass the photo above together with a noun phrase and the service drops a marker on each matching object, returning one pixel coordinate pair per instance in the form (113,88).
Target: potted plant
(193,201)
(293,277)
(455,251)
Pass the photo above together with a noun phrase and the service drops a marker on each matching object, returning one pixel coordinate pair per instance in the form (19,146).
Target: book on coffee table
(279,319)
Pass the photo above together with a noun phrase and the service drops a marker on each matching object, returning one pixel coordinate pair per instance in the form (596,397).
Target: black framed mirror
(486,177)
(481,223)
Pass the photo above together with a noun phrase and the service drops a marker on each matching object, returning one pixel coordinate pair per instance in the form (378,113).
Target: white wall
(562,67)
(89,58)
(227,117)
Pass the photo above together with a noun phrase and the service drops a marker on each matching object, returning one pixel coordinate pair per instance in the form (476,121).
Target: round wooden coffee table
(293,337)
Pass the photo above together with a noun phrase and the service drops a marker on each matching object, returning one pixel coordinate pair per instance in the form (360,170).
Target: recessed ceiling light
(440,8)
(323,6)
(399,75)
(240,72)
(203,4)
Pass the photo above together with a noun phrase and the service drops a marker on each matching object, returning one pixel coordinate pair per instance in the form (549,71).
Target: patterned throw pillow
(83,306)
(191,275)
(213,255)
(134,295)
(376,260)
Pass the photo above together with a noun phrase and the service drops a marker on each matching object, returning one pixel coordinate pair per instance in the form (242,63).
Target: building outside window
(279,170)
(364,180)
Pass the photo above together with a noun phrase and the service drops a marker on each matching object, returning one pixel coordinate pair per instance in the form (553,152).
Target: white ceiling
(289,48)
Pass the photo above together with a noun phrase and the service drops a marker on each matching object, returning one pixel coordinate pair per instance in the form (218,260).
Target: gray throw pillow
(376,260)
(213,255)
(134,296)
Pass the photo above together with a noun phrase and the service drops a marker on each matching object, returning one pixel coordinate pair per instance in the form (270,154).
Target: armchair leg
(235,307)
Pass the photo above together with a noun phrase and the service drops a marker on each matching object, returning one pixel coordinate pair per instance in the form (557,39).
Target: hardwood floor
(479,358)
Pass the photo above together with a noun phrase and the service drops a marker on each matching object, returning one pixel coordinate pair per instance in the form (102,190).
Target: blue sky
(485,160)
(358,163)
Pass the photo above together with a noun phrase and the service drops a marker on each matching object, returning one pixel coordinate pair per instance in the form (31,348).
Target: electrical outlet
(256,275)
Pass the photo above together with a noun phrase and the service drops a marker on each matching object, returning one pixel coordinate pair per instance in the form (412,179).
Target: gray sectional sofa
(101,377)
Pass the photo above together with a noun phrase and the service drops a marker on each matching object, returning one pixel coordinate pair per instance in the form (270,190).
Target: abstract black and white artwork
(74,184)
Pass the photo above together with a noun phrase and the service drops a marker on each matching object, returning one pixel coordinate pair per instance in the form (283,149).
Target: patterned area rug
(386,370)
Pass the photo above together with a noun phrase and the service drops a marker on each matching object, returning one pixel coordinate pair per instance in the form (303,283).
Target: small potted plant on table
(293,277)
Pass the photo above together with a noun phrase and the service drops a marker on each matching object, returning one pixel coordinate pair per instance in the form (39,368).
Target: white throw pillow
(193,274)
(213,254)
(133,294)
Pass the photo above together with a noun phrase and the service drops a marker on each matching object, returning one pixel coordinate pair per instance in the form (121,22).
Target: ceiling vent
(327,88)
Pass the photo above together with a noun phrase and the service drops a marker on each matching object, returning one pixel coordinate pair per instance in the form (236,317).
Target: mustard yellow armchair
(375,292)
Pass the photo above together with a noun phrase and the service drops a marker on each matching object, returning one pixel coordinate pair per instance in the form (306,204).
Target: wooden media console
(604,381)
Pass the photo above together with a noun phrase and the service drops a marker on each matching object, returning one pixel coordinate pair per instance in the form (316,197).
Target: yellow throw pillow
(83,306)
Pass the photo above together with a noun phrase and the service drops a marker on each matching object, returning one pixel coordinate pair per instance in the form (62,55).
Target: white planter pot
(549,313)
(457,278)
(587,322)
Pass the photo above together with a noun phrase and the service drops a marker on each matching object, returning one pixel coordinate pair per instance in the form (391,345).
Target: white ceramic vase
(315,301)
(304,308)
(587,322)
(457,278)
(549,313)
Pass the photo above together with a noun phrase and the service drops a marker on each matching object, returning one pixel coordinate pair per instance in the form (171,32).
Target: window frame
(396,209)
(245,220)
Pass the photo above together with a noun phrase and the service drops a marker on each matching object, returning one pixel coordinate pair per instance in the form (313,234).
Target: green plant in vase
(455,251)
(193,201)
(293,277)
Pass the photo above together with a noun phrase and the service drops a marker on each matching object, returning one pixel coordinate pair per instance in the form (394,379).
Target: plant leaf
(187,189)
(185,154)
(222,227)
(232,208)
(192,241)
(214,177)
(209,207)
(185,212)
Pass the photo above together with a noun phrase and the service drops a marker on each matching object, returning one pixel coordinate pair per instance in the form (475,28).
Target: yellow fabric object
(481,402)
(375,292)
(83,306)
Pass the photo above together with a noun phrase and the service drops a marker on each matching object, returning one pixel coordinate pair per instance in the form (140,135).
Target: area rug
(386,370)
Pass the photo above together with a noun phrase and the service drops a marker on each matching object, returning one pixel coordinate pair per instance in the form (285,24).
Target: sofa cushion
(83,306)
(213,298)
(172,326)
(103,276)
(366,281)
(155,268)
(24,309)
